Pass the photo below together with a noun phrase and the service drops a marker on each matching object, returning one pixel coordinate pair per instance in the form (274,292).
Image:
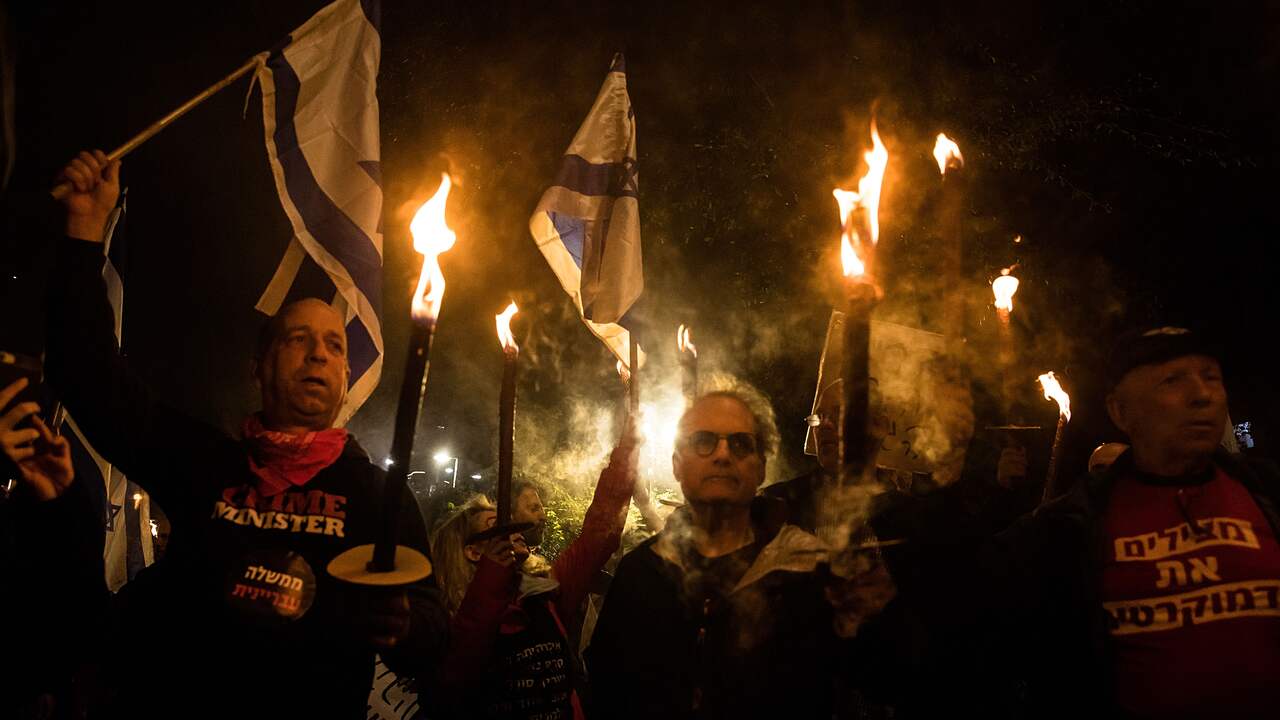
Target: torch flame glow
(1054,391)
(1004,287)
(431,236)
(504,328)
(855,250)
(683,342)
(947,153)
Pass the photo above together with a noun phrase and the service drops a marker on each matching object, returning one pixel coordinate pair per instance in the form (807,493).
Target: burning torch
(506,411)
(1053,391)
(860,231)
(688,365)
(951,220)
(1003,288)
(385,563)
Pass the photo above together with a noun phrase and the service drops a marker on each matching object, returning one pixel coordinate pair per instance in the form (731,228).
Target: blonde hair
(453,570)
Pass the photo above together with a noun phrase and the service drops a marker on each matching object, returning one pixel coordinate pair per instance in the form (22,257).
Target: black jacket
(670,645)
(208,646)
(52,596)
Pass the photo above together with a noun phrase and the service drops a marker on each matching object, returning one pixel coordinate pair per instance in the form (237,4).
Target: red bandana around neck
(284,460)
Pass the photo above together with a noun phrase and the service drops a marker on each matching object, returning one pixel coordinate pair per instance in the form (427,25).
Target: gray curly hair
(728,386)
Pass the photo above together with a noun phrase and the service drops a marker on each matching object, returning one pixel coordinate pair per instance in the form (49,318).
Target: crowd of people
(1150,588)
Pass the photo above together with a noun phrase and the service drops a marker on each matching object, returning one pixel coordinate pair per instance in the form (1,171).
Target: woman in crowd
(510,654)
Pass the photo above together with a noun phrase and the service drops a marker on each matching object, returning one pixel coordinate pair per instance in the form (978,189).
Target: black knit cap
(1156,345)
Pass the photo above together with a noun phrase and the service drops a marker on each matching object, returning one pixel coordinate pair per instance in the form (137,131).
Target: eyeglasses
(705,442)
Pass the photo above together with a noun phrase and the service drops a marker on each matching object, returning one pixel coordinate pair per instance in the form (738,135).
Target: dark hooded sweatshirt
(240,619)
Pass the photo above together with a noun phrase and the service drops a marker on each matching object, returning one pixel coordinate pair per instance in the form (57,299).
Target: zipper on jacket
(701,648)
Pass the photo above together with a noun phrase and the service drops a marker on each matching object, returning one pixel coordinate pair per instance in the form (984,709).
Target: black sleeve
(614,642)
(118,413)
(54,597)
(429,622)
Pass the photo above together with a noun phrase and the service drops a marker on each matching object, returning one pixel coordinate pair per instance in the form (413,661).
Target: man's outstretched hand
(95,186)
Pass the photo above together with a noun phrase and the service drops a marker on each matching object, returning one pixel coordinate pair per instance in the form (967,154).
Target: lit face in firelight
(528,508)
(729,474)
(1172,410)
(302,373)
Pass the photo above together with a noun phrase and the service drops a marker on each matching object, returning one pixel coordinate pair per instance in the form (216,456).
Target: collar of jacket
(1088,498)
(786,548)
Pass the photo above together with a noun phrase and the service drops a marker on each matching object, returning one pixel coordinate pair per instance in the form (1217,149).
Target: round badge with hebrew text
(273,586)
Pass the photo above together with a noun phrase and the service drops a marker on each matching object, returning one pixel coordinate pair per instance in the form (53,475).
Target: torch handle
(412,391)
(1005,361)
(689,376)
(1050,478)
(952,223)
(857,383)
(506,432)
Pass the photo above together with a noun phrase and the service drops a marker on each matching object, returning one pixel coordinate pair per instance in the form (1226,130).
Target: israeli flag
(587,224)
(320,113)
(124,508)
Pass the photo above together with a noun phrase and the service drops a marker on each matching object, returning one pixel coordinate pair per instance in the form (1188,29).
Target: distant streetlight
(450,473)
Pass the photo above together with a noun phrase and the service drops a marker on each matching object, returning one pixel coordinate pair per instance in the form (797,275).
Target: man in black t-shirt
(241,609)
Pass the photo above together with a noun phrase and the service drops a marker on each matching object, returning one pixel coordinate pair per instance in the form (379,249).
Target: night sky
(1133,146)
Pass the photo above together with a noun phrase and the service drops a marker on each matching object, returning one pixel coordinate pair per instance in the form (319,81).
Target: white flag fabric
(126,508)
(587,224)
(320,115)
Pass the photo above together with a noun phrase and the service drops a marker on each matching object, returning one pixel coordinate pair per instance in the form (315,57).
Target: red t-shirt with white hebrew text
(1192,591)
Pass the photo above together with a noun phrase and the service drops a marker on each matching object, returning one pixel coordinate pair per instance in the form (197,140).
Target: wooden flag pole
(633,387)
(63,189)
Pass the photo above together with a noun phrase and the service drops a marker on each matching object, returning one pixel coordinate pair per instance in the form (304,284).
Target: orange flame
(1004,287)
(947,153)
(1054,391)
(431,236)
(504,328)
(855,250)
(683,342)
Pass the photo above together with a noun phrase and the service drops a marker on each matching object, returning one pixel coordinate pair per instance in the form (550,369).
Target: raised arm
(119,414)
(601,527)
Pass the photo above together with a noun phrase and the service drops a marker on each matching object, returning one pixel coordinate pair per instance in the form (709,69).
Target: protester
(54,594)
(510,653)
(1150,589)
(725,613)
(455,555)
(252,624)
(526,507)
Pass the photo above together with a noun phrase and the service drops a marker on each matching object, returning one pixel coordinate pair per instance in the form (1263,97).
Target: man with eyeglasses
(724,613)
(1152,587)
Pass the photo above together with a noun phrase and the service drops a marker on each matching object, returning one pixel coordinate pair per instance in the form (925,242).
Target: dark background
(1131,144)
